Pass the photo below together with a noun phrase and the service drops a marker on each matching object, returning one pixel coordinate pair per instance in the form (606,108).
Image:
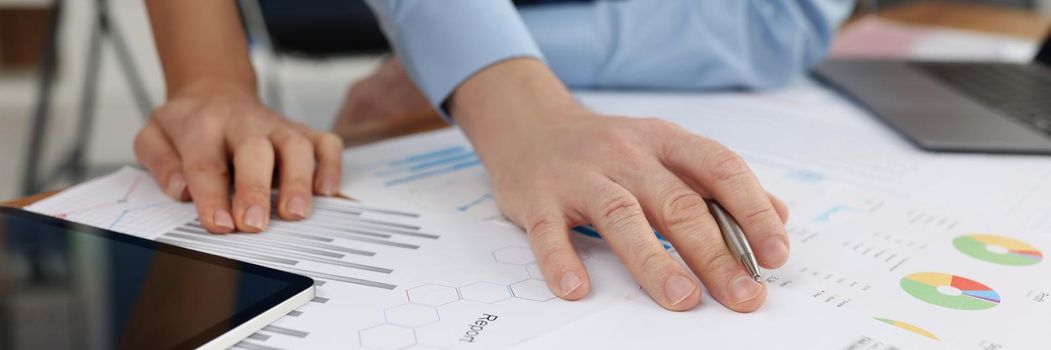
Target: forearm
(201,46)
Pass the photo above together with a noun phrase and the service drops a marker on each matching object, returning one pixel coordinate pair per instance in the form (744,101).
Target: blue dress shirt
(650,44)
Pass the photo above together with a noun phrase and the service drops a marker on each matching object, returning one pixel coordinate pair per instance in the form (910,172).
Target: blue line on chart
(483,198)
(795,173)
(807,176)
(827,214)
(432,173)
(415,168)
(589,231)
(125,211)
(428,155)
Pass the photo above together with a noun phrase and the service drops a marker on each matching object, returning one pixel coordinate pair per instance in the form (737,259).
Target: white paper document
(878,227)
(791,137)
(866,273)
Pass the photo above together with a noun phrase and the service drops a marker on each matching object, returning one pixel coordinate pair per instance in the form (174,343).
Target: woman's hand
(209,133)
(556,165)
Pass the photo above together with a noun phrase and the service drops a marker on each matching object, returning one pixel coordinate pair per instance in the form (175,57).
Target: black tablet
(69,286)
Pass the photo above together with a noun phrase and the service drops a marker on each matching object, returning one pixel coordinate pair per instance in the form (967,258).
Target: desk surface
(999,20)
(24,201)
(983,18)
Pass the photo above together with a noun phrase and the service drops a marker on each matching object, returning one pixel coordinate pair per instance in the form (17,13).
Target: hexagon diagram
(485,292)
(514,255)
(532,289)
(534,271)
(387,336)
(432,294)
(411,315)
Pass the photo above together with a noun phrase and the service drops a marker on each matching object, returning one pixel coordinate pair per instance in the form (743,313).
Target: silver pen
(735,239)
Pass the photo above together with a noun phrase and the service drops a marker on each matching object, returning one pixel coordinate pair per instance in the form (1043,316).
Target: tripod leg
(88,98)
(30,183)
(131,71)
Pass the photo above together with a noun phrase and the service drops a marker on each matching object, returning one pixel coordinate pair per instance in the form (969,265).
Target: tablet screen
(69,286)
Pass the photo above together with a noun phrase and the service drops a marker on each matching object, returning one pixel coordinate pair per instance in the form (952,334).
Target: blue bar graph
(429,155)
(428,164)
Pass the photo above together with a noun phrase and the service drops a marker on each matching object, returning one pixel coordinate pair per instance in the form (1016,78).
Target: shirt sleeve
(684,44)
(441,43)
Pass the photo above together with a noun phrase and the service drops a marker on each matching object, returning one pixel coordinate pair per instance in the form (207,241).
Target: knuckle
(651,261)
(141,146)
(542,226)
(329,140)
(620,211)
(551,255)
(214,168)
(759,212)
(207,119)
(140,139)
(162,113)
(297,182)
(618,139)
(296,141)
(681,206)
(727,165)
(719,265)
(254,189)
(255,141)
(661,126)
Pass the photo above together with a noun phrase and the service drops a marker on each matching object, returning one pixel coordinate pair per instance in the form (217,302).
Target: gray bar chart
(341,235)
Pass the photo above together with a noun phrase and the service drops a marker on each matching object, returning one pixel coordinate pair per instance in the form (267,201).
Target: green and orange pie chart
(998,249)
(950,291)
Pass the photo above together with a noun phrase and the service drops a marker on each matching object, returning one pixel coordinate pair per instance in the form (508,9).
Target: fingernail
(678,288)
(297,206)
(176,185)
(744,288)
(254,217)
(223,219)
(569,283)
(775,251)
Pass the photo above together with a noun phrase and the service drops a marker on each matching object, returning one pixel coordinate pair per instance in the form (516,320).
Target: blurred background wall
(312,88)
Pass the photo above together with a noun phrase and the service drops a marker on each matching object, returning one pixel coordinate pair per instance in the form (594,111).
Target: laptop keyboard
(1021,91)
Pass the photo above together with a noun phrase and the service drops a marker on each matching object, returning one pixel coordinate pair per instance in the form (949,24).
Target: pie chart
(908,326)
(998,249)
(950,291)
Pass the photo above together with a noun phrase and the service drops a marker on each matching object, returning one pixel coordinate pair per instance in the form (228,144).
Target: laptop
(69,286)
(979,107)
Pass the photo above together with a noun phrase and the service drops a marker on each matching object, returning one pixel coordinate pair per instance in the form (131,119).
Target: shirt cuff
(442,43)
(574,38)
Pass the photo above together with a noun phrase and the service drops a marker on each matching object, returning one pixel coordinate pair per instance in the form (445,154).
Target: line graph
(101,205)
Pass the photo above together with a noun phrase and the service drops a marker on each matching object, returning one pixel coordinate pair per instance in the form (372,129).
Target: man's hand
(208,133)
(556,165)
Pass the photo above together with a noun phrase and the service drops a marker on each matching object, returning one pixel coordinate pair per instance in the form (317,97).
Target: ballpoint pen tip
(758,278)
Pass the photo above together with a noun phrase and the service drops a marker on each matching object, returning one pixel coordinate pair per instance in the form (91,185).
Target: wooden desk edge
(25,201)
